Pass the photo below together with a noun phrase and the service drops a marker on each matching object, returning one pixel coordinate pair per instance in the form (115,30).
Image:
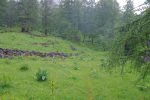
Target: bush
(94,73)
(76,68)
(104,63)
(24,67)
(141,87)
(41,75)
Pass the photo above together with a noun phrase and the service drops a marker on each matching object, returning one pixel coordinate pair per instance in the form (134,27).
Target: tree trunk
(84,38)
(46,31)
(92,40)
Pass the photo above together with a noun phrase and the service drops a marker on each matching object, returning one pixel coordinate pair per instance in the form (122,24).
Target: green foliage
(104,63)
(5,82)
(3,4)
(76,68)
(73,78)
(7,62)
(11,14)
(145,71)
(24,67)
(41,75)
(132,42)
(28,14)
(46,16)
(109,62)
(3,29)
(70,19)
(128,15)
(141,87)
(53,87)
(94,73)
(106,24)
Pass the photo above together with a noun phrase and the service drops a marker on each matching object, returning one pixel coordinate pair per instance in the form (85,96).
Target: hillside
(78,77)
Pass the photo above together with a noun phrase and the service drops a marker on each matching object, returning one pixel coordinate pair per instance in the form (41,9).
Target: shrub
(41,75)
(104,63)
(24,67)
(141,87)
(94,73)
(76,68)
(73,78)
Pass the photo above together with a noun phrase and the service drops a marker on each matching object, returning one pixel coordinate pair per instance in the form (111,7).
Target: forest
(74,50)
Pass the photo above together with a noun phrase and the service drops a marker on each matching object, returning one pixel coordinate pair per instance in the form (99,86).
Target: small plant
(52,86)
(94,73)
(41,75)
(107,64)
(104,63)
(24,67)
(141,87)
(73,78)
(76,68)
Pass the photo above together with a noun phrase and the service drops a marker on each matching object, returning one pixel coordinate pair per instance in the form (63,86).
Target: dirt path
(90,95)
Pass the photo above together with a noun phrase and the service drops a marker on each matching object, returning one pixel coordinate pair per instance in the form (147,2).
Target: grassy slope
(90,82)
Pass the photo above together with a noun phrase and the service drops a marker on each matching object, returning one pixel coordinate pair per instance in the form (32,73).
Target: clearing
(78,77)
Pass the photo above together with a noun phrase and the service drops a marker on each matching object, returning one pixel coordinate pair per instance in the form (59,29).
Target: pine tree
(11,17)
(107,16)
(71,11)
(28,12)
(3,4)
(128,15)
(46,15)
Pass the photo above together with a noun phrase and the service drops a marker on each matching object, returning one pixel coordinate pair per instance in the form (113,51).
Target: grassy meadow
(74,78)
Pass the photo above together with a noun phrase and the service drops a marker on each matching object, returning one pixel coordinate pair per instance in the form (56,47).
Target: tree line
(80,20)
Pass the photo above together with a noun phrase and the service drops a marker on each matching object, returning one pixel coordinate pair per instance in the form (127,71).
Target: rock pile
(6,53)
(147,59)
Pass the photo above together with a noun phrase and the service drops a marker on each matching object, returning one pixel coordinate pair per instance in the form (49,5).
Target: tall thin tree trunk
(92,40)
(84,38)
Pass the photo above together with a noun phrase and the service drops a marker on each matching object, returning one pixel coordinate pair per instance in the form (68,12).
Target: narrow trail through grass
(88,85)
